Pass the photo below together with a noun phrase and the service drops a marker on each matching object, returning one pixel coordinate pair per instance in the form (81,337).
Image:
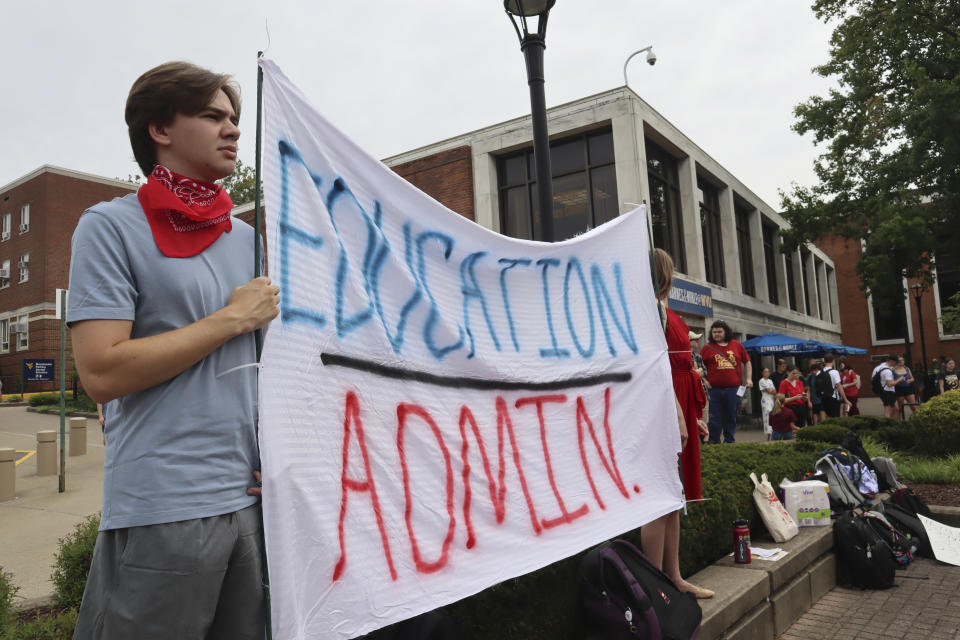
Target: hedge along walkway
(925,603)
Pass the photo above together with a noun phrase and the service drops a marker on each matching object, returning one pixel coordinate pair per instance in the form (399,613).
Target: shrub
(937,424)
(931,470)
(825,432)
(543,604)
(893,433)
(52,625)
(13,397)
(7,593)
(72,564)
(38,399)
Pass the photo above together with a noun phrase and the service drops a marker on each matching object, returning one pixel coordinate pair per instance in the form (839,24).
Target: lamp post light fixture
(651,60)
(532,44)
(917,295)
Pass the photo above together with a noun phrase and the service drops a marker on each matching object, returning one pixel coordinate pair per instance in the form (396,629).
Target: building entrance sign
(36,370)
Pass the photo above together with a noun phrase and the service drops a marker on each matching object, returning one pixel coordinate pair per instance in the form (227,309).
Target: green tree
(889,173)
(241,184)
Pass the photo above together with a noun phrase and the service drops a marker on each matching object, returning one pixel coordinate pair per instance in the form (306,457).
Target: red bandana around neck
(186,216)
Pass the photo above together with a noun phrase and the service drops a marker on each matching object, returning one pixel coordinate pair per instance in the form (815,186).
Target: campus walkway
(33,522)
(924,605)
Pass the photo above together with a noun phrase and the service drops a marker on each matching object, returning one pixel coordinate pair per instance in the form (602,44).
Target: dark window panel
(571,206)
(601,148)
(791,282)
(603,185)
(745,251)
(887,321)
(770,261)
(710,231)
(567,157)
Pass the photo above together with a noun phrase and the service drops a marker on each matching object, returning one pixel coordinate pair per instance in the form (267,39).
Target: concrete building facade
(721,235)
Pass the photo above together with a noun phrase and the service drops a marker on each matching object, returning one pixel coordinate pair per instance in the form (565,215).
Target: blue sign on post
(36,370)
(691,298)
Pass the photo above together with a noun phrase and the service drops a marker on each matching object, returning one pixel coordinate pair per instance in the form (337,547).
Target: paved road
(33,522)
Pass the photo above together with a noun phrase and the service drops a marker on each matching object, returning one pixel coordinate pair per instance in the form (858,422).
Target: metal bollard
(8,474)
(78,436)
(47,453)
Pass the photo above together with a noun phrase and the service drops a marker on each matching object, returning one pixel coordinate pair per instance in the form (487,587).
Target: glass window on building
(887,321)
(791,281)
(821,290)
(5,335)
(828,291)
(744,250)
(584,187)
(804,263)
(23,334)
(665,211)
(948,285)
(770,260)
(709,198)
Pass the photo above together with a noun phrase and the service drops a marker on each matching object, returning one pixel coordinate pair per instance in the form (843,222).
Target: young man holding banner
(162,308)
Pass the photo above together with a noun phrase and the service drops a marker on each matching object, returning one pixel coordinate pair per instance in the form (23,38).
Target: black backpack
(863,559)
(824,385)
(909,524)
(876,383)
(909,501)
(902,545)
(624,596)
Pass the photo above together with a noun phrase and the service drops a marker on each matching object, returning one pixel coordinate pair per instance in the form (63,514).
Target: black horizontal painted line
(461,382)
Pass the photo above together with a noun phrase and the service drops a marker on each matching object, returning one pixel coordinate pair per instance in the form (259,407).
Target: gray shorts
(193,579)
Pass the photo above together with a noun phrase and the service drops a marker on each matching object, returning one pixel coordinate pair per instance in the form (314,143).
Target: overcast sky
(400,74)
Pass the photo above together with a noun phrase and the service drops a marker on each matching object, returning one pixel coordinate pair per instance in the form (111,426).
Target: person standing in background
(767,395)
(728,368)
(851,385)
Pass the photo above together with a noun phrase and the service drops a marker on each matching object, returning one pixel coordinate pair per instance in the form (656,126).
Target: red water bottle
(741,541)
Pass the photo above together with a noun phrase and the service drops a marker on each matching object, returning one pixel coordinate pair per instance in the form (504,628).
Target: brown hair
(663,264)
(778,401)
(165,91)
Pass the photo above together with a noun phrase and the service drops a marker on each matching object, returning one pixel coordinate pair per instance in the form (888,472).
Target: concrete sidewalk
(32,523)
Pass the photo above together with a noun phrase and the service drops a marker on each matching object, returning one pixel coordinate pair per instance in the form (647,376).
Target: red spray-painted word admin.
(361,480)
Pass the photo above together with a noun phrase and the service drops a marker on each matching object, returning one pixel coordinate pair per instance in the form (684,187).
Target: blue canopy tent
(778,344)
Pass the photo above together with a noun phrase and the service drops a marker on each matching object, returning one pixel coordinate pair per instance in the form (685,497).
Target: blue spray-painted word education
(591,299)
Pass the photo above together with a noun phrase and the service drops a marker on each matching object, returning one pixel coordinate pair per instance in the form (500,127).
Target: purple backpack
(623,596)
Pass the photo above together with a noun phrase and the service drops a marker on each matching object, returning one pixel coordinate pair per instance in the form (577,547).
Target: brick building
(39,212)
(879,329)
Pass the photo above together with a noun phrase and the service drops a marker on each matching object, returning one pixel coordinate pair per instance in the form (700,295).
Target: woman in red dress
(661,538)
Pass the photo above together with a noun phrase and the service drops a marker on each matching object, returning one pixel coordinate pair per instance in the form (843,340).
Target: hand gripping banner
(441,407)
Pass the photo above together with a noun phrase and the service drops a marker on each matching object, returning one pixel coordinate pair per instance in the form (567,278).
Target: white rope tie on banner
(241,366)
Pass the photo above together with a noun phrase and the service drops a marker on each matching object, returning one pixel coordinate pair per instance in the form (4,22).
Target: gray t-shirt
(185,448)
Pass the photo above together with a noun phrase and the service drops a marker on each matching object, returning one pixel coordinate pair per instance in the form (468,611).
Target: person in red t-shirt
(796,397)
(851,385)
(726,361)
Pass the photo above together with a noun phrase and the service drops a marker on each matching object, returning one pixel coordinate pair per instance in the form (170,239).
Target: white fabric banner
(441,407)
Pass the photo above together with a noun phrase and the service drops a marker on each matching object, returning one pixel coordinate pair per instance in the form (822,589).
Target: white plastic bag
(807,502)
(779,523)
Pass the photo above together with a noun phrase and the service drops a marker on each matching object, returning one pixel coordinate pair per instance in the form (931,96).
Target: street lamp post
(917,295)
(532,44)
